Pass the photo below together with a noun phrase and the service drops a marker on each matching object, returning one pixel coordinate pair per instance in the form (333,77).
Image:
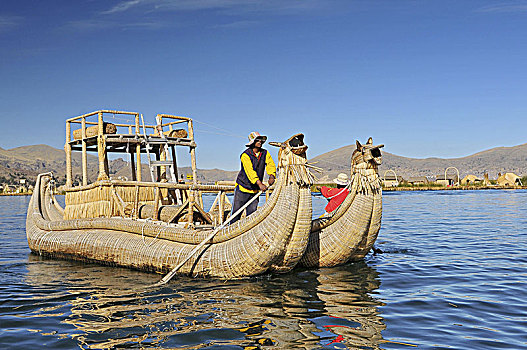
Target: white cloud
(238,24)
(8,22)
(502,8)
(90,25)
(236,6)
(124,6)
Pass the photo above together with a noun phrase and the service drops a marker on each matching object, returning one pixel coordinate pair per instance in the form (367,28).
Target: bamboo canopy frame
(100,221)
(350,231)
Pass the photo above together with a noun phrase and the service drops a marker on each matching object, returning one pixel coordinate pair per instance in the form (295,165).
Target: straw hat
(341,179)
(254,136)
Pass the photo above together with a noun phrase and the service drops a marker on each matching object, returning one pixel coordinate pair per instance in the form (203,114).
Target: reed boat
(350,231)
(161,225)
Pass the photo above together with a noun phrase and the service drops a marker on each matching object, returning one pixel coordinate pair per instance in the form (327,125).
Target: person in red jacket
(336,196)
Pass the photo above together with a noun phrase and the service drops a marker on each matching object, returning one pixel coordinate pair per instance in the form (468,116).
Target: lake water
(452,275)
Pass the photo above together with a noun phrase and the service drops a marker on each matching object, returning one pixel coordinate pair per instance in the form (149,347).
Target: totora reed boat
(351,230)
(160,225)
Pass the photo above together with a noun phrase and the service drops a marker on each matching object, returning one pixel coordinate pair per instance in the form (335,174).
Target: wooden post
(221,207)
(136,202)
(156,204)
(191,207)
(174,161)
(67,149)
(101,147)
(158,168)
(84,153)
(192,193)
(192,152)
(163,157)
(138,149)
(132,165)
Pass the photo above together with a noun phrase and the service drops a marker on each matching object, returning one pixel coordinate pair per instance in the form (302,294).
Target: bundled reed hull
(274,238)
(350,232)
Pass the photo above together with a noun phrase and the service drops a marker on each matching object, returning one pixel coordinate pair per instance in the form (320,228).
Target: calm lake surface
(453,275)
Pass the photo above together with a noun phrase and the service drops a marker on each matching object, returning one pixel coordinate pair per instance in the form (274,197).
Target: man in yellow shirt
(255,161)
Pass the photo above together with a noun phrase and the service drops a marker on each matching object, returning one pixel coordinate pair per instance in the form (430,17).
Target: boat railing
(131,140)
(102,132)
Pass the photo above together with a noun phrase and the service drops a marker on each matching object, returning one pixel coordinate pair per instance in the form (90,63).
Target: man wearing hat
(255,162)
(336,196)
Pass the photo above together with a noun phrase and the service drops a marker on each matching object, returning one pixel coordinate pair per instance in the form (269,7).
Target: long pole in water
(171,274)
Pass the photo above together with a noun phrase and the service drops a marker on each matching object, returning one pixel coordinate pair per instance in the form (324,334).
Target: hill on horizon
(28,161)
(492,161)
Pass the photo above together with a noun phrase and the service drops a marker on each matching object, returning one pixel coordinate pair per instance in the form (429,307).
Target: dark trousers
(240,198)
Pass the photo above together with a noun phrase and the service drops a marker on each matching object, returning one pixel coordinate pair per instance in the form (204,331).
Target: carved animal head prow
(367,153)
(295,144)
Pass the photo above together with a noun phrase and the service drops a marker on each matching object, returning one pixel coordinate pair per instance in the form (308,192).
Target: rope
(219,133)
(227,132)
(143,233)
(117,118)
(40,241)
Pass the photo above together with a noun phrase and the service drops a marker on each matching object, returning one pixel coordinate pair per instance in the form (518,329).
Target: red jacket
(338,194)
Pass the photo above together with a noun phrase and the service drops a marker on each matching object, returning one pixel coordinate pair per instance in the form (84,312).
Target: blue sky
(426,78)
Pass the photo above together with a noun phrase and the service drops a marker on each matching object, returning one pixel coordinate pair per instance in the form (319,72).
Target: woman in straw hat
(255,161)
(336,196)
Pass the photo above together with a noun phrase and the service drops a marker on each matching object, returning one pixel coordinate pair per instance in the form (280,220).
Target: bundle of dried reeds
(178,133)
(108,128)
(104,201)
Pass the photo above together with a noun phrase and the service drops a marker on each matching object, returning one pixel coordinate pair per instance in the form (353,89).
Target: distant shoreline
(392,189)
(16,194)
(454,188)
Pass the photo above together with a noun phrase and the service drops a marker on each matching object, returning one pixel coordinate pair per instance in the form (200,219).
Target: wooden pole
(132,165)
(174,162)
(138,149)
(156,204)
(221,207)
(136,202)
(84,154)
(192,192)
(67,149)
(192,152)
(101,147)
(190,218)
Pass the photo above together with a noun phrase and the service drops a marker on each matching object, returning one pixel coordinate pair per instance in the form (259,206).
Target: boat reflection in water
(95,306)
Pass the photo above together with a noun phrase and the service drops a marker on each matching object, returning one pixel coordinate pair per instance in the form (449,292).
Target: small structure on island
(448,179)
(391,180)
(509,179)
(486,180)
(471,180)
(8,188)
(418,180)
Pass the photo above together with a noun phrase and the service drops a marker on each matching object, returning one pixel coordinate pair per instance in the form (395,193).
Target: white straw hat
(341,179)
(253,136)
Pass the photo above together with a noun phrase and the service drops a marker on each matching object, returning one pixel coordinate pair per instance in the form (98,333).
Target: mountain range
(28,161)
(491,161)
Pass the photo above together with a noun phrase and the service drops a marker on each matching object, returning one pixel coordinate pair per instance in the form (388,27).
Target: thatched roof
(415,179)
(509,179)
(470,179)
